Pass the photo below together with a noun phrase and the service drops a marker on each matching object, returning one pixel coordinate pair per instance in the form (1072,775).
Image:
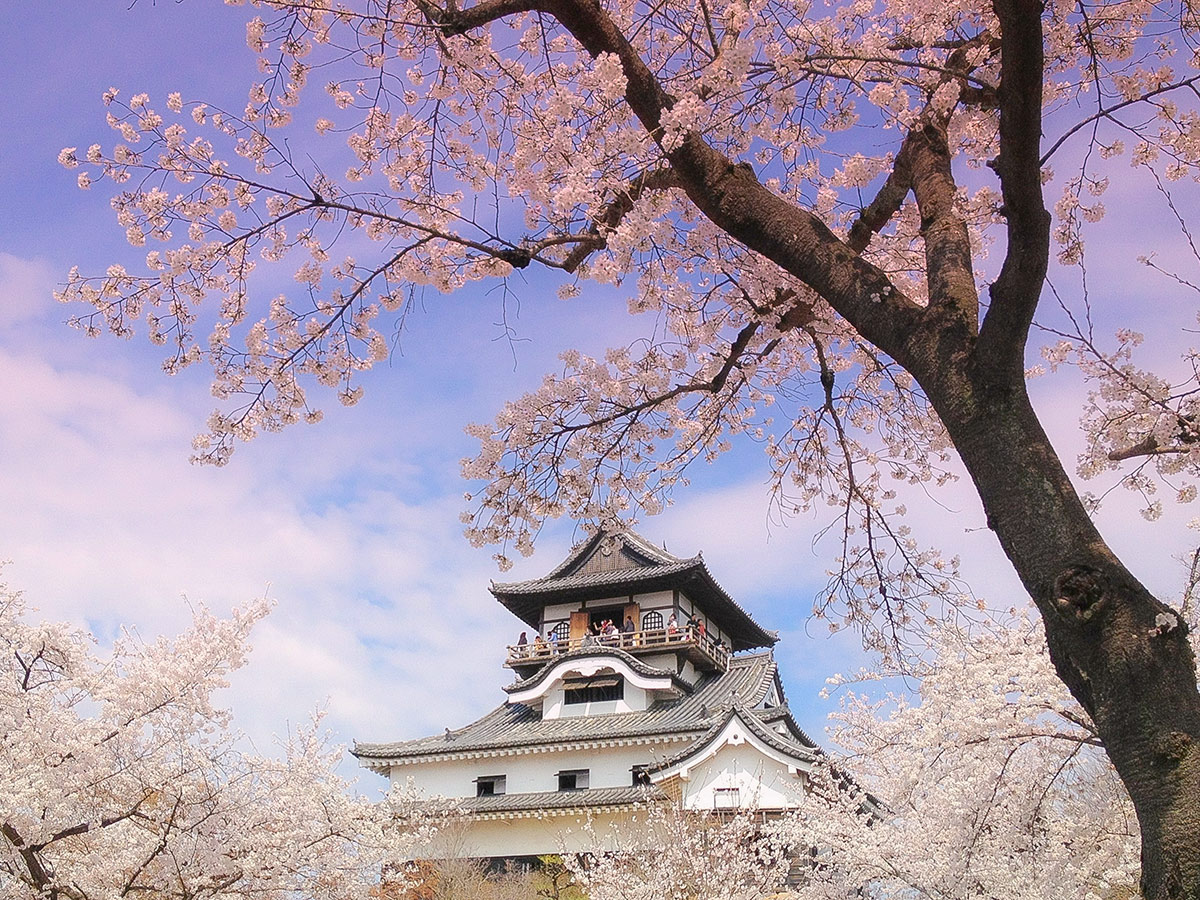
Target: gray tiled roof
(784,714)
(583,653)
(544,800)
(648,569)
(745,682)
(631,575)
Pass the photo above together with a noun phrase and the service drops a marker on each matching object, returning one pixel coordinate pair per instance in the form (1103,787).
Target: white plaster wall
(558,612)
(663,601)
(665,661)
(608,767)
(554,705)
(543,834)
(763,783)
(549,695)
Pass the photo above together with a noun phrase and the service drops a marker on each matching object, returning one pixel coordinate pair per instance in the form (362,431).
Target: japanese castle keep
(682,705)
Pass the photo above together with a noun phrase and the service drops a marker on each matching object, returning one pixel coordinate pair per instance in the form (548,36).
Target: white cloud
(381,605)
(24,292)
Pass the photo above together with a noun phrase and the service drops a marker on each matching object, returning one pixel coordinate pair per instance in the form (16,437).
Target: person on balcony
(672,625)
(609,633)
(539,645)
(523,644)
(627,632)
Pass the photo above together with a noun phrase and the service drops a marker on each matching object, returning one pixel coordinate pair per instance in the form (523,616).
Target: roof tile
(516,725)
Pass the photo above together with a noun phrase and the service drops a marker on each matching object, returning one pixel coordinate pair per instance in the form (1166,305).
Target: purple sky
(383,614)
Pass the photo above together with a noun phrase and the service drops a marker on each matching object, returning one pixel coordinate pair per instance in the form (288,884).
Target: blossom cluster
(1135,414)
(123,777)
(664,853)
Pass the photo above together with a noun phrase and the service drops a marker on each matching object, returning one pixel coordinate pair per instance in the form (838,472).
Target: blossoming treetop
(801,198)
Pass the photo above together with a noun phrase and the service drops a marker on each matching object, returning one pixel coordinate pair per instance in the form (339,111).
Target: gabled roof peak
(608,550)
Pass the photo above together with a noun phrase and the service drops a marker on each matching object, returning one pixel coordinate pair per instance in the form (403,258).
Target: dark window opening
(489,785)
(573,780)
(641,777)
(614,614)
(652,621)
(594,690)
(562,631)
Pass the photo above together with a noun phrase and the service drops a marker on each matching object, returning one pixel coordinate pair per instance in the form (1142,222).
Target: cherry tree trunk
(1123,654)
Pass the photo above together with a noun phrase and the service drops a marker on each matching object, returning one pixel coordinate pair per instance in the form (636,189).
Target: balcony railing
(688,638)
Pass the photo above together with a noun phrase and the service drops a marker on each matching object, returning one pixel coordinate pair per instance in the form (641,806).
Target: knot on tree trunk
(1079,592)
(1173,747)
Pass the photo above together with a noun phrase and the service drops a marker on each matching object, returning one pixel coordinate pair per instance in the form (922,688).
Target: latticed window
(652,620)
(561,631)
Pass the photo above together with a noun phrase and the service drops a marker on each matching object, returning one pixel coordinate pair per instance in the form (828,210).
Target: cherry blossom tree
(802,201)
(123,778)
(665,853)
(992,783)
(984,779)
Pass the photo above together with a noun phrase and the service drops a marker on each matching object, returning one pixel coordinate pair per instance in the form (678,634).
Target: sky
(383,618)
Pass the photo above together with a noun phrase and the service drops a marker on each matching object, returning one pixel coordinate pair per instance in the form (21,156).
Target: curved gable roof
(788,748)
(589,652)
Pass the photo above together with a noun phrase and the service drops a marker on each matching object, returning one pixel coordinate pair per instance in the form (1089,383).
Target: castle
(645,683)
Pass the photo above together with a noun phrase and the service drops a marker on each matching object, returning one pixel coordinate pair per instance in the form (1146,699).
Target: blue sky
(383,615)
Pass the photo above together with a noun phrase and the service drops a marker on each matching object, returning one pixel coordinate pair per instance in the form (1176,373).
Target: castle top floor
(657,603)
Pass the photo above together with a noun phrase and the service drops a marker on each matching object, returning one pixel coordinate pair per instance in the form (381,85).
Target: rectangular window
(640,777)
(489,785)
(573,780)
(594,690)
(727,798)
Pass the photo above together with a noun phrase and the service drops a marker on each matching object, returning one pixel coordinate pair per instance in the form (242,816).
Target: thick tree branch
(38,875)
(1015,293)
(1187,437)
(733,198)
(729,193)
(951,277)
(615,211)
(456,21)
(886,203)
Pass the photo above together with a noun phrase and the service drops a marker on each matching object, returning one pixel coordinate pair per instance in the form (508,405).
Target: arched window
(651,621)
(561,631)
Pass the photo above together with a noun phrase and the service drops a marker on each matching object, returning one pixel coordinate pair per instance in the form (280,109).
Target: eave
(526,599)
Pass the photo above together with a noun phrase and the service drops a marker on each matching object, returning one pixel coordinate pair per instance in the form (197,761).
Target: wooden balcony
(704,652)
